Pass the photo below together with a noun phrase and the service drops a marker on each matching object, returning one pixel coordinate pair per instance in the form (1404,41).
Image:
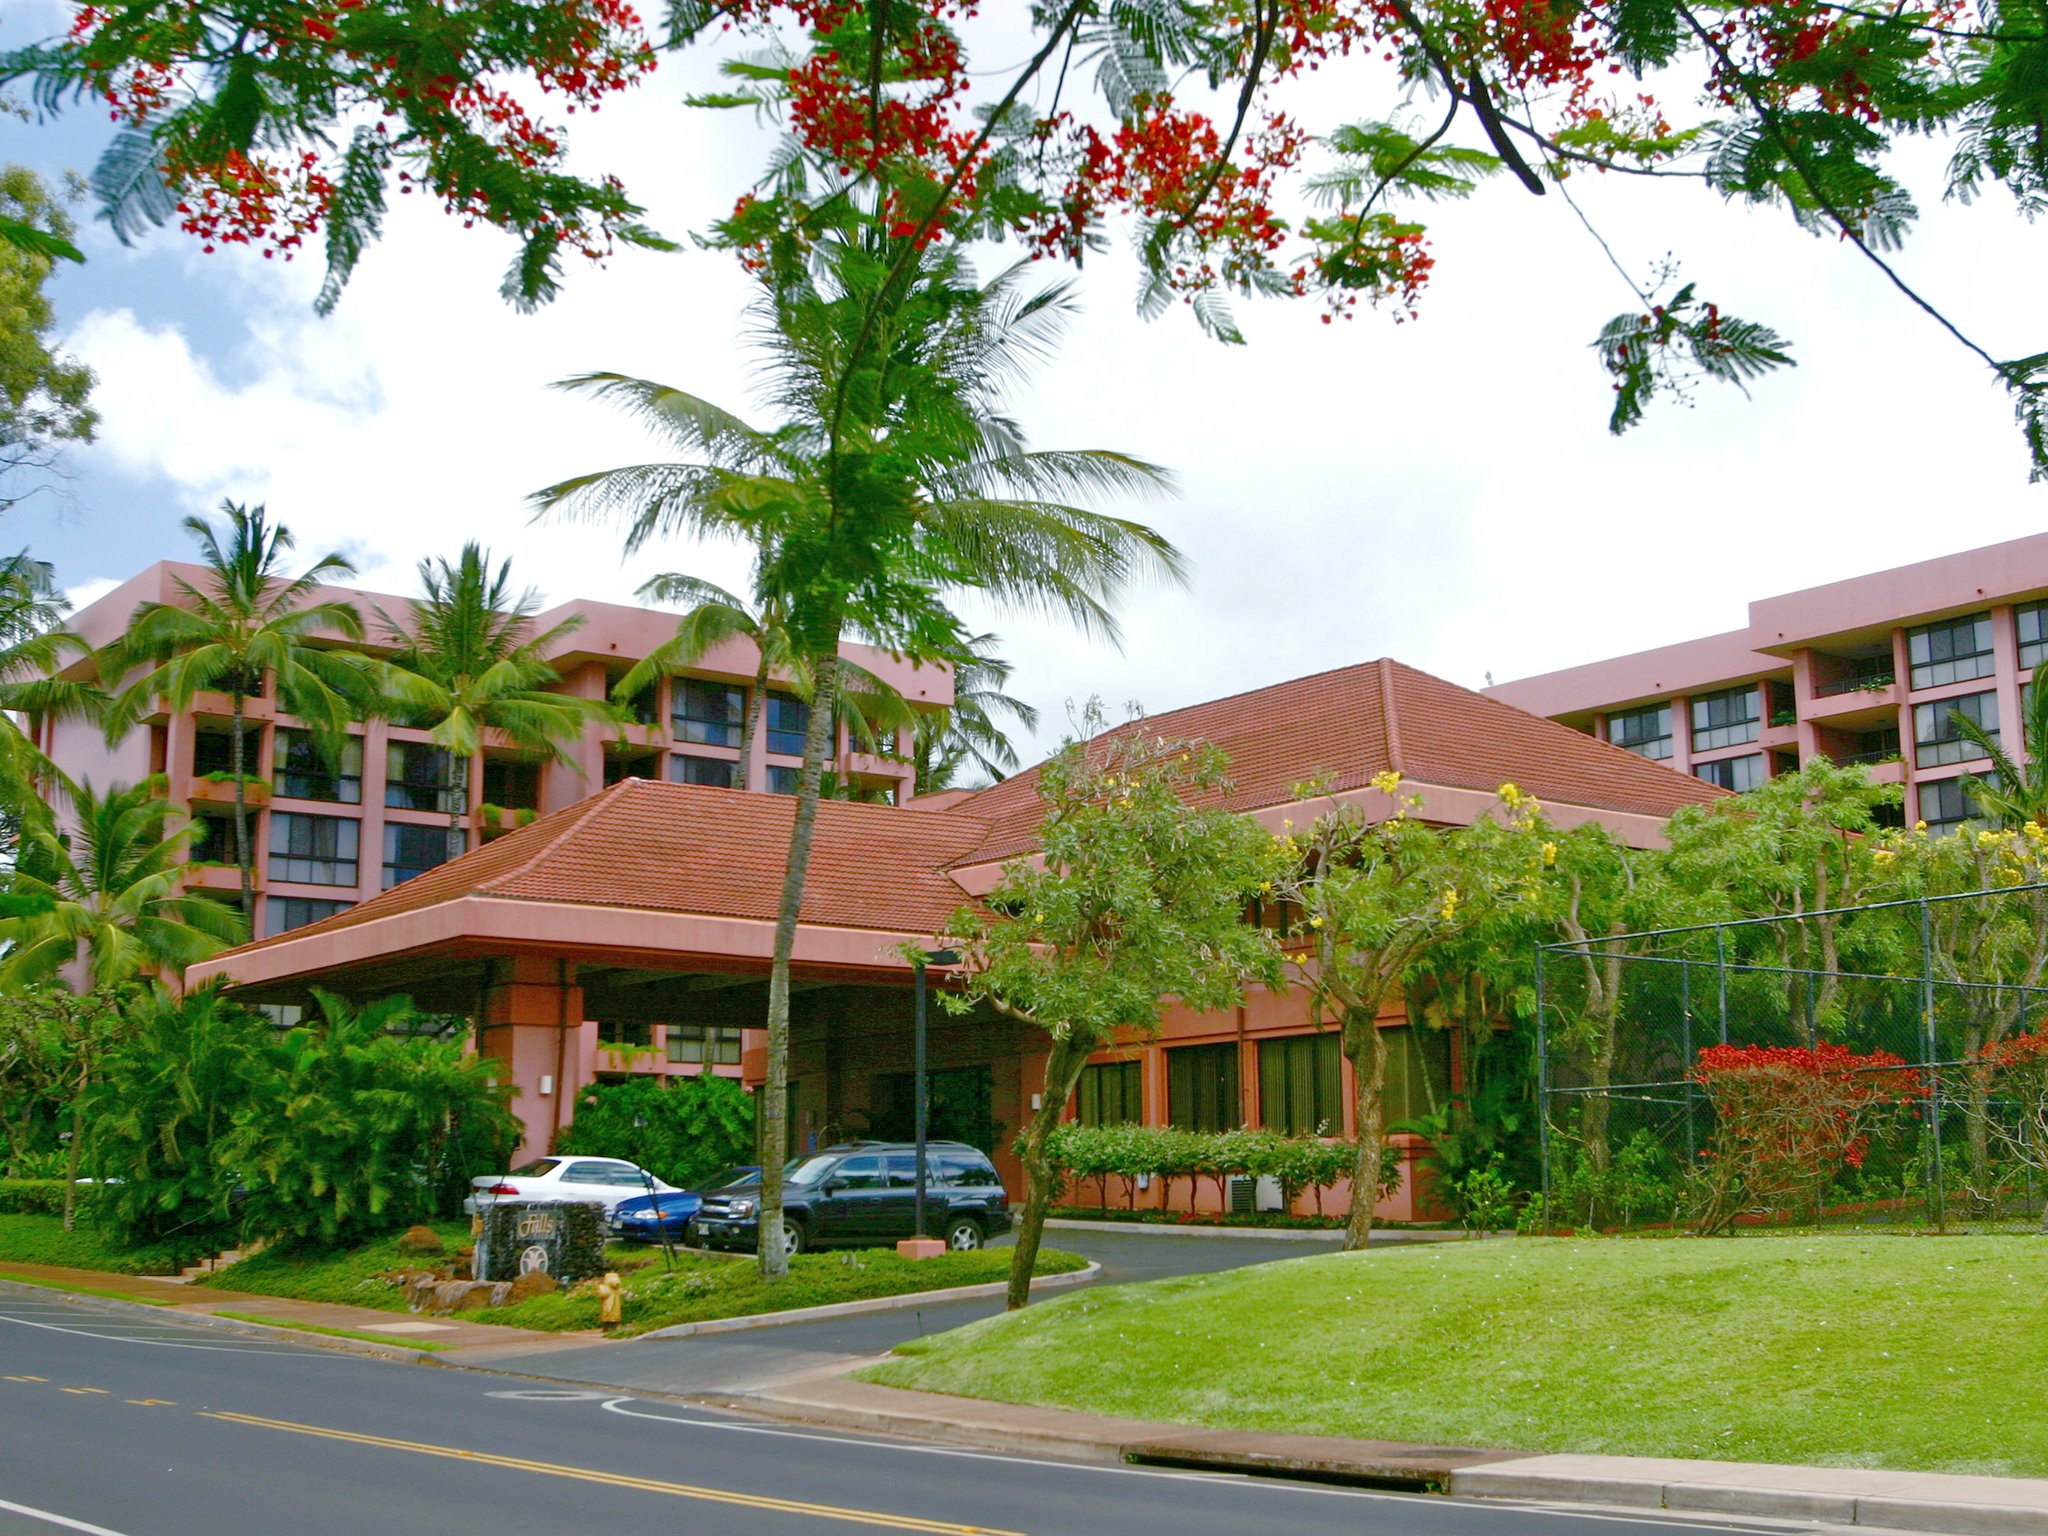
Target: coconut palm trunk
(750,723)
(775,1091)
(245,857)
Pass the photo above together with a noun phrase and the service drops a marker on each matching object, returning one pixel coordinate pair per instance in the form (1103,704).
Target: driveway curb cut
(902,1303)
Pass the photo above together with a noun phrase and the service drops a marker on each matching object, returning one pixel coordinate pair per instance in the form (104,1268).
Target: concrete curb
(1279,1234)
(903,1303)
(1956,1505)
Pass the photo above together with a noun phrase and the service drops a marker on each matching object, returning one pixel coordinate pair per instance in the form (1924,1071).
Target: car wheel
(792,1237)
(963,1236)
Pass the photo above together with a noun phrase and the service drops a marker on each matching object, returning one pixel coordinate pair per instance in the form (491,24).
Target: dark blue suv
(863,1194)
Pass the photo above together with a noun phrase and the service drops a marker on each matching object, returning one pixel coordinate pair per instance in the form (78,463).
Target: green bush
(680,1129)
(31,1197)
(1083,1154)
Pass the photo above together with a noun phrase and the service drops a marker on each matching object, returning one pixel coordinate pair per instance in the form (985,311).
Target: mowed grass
(35,1239)
(1921,1353)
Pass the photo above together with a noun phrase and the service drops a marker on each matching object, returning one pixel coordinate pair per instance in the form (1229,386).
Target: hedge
(1098,1153)
(31,1197)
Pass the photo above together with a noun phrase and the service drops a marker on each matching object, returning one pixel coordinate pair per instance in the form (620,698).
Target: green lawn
(703,1286)
(1907,1352)
(43,1240)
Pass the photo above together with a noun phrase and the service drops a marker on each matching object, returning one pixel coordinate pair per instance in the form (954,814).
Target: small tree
(682,1130)
(1375,895)
(53,1044)
(1136,896)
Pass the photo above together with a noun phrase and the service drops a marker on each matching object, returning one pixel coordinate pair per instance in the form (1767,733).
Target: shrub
(2011,1079)
(688,1128)
(1787,1121)
(1098,1153)
(31,1197)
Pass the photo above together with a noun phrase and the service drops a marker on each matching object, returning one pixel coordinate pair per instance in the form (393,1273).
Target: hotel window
(1301,1085)
(1645,732)
(715,771)
(410,850)
(1736,773)
(1953,651)
(1946,805)
(628,1032)
(418,777)
(214,751)
(1201,1087)
(708,714)
(788,720)
(2032,622)
(644,708)
(1936,740)
(281,914)
(1724,719)
(782,781)
(1418,1073)
(511,784)
(710,1043)
(1111,1093)
(313,850)
(304,772)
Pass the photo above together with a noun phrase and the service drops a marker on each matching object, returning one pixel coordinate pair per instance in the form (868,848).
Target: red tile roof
(1347,725)
(691,848)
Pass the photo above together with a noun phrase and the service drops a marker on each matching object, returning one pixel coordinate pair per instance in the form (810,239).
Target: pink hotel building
(1871,670)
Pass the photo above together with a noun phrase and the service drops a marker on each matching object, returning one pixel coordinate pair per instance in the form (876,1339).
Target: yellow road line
(150,1402)
(85,1391)
(620,1480)
(24,1378)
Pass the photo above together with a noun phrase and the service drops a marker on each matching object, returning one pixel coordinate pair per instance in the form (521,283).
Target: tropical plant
(109,892)
(965,736)
(34,650)
(681,1129)
(469,664)
(45,395)
(245,621)
(893,476)
(2010,795)
(368,1127)
(52,1045)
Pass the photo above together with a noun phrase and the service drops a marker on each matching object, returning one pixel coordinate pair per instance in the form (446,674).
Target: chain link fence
(1879,1066)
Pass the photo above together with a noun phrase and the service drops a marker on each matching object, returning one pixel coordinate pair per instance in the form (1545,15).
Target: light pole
(924,958)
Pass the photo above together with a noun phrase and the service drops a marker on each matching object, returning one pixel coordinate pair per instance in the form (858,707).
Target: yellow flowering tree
(1376,887)
(1135,898)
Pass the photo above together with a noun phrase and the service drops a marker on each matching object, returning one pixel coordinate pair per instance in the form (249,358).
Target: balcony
(224,878)
(219,789)
(496,820)
(1855,705)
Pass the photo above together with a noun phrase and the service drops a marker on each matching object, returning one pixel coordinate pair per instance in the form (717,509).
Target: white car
(604,1180)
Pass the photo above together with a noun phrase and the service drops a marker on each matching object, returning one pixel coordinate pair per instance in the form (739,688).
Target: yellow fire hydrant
(610,1299)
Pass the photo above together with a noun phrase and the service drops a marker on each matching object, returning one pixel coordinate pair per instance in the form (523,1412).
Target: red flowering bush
(1787,1121)
(2012,1083)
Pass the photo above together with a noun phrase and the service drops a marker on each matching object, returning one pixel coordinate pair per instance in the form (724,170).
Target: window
(418,777)
(1946,805)
(511,784)
(782,781)
(1301,1085)
(1645,732)
(1111,1093)
(2032,622)
(603,1173)
(715,771)
(1418,1073)
(213,840)
(625,1032)
(281,914)
(1936,739)
(1724,719)
(313,850)
(962,1168)
(410,851)
(709,1043)
(859,1173)
(303,772)
(1953,651)
(644,708)
(708,714)
(1201,1087)
(788,720)
(1736,773)
(618,767)
(214,751)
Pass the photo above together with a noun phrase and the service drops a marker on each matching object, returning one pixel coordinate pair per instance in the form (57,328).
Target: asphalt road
(735,1362)
(127,1425)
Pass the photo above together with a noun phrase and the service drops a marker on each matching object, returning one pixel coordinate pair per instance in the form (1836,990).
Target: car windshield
(536,1168)
(808,1170)
(726,1178)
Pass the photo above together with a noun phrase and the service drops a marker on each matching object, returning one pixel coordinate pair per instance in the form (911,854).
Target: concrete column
(532,1017)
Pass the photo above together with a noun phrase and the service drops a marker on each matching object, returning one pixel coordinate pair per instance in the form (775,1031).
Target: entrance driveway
(740,1362)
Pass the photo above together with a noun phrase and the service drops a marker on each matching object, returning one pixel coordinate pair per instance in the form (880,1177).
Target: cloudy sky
(1444,491)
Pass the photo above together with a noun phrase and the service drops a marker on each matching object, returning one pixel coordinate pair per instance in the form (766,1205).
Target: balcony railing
(1877,755)
(1875,682)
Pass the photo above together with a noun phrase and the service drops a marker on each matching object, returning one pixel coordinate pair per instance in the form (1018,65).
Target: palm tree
(109,889)
(245,619)
(34,649)
(469,662)
(2011,795)
(894,476)
(948,740)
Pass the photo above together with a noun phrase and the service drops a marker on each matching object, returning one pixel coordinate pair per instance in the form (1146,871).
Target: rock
(535,1282)
(421,1240)
(430,1293)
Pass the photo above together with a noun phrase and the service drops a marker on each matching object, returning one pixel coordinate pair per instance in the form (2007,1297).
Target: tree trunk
(243,859)
(72,1153)
(1062,1072)
(775,1089)
(750,723)
(1365,1044)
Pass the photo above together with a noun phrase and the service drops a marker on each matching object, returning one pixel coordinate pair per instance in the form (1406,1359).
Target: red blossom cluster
(247,200)
(1789,1119)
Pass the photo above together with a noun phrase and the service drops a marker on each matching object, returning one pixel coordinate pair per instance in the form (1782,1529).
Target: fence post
(1686,1060)
(1930,1053)
(1721,976)
(1542,1089)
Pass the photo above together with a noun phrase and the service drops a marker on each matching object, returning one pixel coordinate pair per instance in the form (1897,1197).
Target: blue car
(649,1218)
